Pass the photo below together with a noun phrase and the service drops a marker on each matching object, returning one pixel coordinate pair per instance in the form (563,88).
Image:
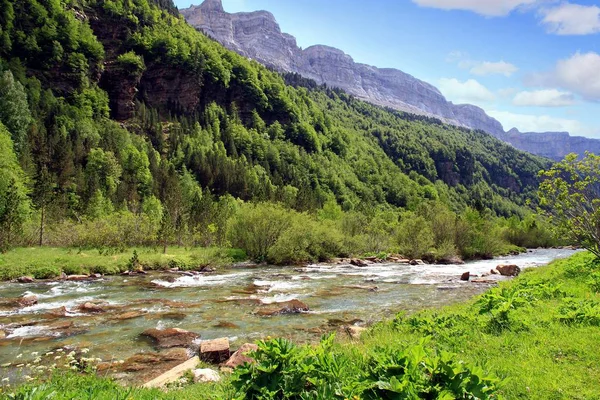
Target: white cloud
(578,74)
(490,8)
(540,123)
(507,92)
(544,98)
(572,19)
(490,68)
(469,91)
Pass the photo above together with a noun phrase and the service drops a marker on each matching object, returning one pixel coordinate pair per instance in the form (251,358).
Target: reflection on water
(223,304)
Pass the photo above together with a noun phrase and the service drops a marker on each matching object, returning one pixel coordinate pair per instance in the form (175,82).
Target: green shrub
(416,373)
(415,236)
(307,240)
(257,227)
(580,312)
(46,272)
(131,62)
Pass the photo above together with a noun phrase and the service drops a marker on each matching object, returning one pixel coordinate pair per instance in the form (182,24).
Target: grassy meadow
(50,262)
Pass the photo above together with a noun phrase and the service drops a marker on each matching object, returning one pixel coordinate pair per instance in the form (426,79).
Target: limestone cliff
(258,36)
(554,145)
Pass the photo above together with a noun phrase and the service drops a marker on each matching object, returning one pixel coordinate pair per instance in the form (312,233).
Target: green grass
(48,262)
(535,337)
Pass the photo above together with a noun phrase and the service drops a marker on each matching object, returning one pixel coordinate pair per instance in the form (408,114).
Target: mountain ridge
(258,36)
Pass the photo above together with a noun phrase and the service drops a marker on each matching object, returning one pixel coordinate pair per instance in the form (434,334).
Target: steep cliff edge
(257,35)
(554,145)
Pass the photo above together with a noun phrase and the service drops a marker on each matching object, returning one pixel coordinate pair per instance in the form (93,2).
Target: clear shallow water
(223,304)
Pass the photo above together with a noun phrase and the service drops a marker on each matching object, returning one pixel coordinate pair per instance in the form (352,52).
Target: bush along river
(109,315)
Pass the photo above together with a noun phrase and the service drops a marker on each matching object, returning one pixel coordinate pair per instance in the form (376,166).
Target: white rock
(206,375)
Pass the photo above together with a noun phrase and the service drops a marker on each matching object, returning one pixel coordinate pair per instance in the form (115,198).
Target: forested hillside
(130,127)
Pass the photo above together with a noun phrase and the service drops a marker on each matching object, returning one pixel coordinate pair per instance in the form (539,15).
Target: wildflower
(57,357)
(5,380)
(27,378)
(85,350)
(37,360)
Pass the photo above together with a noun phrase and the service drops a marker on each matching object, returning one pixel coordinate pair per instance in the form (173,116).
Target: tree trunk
(42,226)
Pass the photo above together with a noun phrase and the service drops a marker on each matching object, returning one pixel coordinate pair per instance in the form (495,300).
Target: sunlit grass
(48,262)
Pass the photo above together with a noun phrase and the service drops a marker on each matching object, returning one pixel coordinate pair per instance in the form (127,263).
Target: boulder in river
(494,272)
(288,307)
(240,357)
(89,307)
(417,262)
(226,324)
(19,302)
(508,270)
(215,351)
(171,337)
(128,315)
(26,279)
(465,276)
(359,263)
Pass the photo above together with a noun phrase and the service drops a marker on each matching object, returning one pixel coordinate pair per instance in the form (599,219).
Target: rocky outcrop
(257,35)
(215,351)
(554,145)
(171,337)
(508,270)
(288,307)
(241,357)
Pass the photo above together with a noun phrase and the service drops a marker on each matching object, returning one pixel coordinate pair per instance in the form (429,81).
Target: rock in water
(206,375)
(171,337)
(465,276)
(25,279)
(288,307)
(215,351)
(508,270)
(240,357)
(90,307)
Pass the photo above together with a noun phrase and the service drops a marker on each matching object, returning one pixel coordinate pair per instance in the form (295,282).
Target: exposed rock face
(554,145)
(258,36)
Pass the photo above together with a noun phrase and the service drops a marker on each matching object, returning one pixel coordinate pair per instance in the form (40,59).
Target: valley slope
(258,36)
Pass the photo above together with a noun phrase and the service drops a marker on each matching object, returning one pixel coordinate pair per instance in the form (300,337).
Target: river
(223,304)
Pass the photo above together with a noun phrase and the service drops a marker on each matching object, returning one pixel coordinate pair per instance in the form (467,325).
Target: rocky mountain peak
(257,35)
(211,6)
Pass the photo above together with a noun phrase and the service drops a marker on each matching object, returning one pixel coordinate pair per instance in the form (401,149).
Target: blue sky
(532,64)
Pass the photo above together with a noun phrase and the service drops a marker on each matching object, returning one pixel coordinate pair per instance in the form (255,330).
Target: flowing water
(223,304)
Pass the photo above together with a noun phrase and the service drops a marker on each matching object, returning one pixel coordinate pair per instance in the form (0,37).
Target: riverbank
(52,262)
(537,334)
